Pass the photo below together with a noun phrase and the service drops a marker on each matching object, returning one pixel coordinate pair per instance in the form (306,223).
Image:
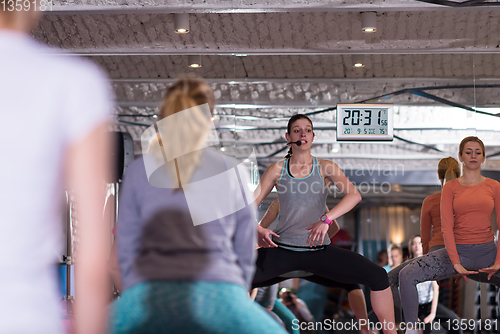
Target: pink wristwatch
(325,219)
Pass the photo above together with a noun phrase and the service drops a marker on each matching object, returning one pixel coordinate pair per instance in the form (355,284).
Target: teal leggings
(286,316)
(189,307)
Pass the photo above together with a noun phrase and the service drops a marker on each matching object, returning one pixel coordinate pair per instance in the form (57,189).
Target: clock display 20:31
(364,122)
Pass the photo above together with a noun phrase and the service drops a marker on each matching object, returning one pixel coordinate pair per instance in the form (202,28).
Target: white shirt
(425,292)
(47,102)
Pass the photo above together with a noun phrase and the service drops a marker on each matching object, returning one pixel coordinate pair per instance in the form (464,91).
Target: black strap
(301,247)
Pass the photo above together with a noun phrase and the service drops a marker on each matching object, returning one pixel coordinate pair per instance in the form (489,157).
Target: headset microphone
(298,143)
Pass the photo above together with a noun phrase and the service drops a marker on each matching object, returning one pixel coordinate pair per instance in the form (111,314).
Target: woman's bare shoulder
(274,169)
(328,167)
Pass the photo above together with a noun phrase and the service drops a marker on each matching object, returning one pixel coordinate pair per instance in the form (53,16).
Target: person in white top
(54,113)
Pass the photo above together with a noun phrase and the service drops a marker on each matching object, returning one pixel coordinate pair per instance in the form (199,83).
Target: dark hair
(379,255)
(468,139)
(410,243)
(289,129)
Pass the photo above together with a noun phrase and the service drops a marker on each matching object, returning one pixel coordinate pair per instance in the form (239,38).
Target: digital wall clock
(364,122)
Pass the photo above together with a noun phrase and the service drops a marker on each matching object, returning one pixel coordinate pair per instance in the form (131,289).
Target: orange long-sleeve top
(430,222)
(466,215)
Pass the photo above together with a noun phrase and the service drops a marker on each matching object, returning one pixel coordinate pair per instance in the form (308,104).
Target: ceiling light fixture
(181,23)
(334,148)
(194,61)
(358,60)
(369,22)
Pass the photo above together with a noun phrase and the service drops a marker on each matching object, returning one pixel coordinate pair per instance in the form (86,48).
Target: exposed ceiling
(267,60)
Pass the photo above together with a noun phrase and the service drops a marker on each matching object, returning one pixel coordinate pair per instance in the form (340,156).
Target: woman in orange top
(430,217)
(467,204)
(430,226)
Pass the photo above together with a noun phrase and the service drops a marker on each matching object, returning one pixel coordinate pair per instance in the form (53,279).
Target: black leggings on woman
(331,266)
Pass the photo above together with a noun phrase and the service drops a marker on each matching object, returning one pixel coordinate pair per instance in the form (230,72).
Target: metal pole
(68,258)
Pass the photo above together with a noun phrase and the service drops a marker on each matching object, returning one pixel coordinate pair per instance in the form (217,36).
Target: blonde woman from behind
(179,276)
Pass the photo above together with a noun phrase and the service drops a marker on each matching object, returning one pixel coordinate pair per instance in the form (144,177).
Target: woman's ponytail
(186,131)
(289,153)
(448,169)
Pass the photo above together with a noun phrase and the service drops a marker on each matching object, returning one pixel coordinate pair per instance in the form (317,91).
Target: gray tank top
(302,202)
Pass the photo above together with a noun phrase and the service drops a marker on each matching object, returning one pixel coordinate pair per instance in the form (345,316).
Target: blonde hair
(188,132)
(448,169)
(396,247)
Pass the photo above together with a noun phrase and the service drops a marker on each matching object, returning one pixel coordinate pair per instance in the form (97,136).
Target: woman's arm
(334,175)
(87,166)
(334,226)
(496,266)
(496,198)
(425,225)
(274,209)
(434,305)
(267,182)
(253,293)
(333,229)
(447,223)
(114,269)
(271,214)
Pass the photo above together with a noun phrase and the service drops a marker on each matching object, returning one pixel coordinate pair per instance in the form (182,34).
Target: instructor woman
(299,242)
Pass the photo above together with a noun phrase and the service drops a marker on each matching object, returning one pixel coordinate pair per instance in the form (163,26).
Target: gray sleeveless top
(302,202)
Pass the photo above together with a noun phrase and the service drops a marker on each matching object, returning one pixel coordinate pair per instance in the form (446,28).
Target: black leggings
(331,267)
